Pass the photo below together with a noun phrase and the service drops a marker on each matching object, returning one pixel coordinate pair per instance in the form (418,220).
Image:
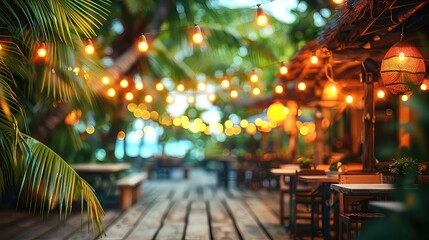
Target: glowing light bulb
(283,69)
(124,83)
(201,86)
(234,94)
(1,47)
(302,86)
(256,91)
(142,45)
(197,37)
(191,99)
(404,98)
(314,59)
(111,92)
(180,87)
(225,84)
(169,99)
(423,87)
(380,94)
(148,98)
(253,77)
(401,56)
(139,86)
(105,80)
(278,89)
(89,47)
(337,1)
(212,97)
(349,99)
(129,96)
(261,18)
(41,50)
(159,86)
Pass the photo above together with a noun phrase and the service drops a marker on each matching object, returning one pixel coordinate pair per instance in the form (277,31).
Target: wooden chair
(308,195)
(352,209)
(285,189)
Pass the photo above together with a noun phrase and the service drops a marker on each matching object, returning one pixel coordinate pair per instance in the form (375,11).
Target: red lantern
(402,66)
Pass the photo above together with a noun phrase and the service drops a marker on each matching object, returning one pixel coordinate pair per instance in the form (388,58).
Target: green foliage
(304,162)
(335,166)
(405,166)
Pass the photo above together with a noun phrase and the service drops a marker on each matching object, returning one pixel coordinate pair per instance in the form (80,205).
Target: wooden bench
(130,189)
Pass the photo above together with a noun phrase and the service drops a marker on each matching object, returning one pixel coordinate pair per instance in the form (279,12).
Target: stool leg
(282,206)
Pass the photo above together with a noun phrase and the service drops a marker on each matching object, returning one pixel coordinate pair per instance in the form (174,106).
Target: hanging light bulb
(197,37)
(148,98)
(41,50)
(283,69)
(253,77)
(302,86)
(191,99)
(123,83)
(111,92)
(256,91)
(159,86)
(212,97)
(423,87)
(234,94)
(169,99)
(405,98)
(401,56)
(89,47)
(338,1)
(349,99)
(314,59)
(261,18)
(139,86)
(180,87)
(201,86)
(129,96)
(142,45)
(225,84)
(105,80)
(380,94)
(278,89)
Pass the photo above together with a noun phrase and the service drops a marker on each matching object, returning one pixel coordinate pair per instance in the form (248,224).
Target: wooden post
(368,122)
(318,142)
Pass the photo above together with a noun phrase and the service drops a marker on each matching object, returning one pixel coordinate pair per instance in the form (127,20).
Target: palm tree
(29,83)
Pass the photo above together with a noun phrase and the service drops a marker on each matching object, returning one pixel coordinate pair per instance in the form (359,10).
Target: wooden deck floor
(170,209)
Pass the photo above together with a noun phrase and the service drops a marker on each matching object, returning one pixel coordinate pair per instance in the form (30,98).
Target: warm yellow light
(191,99)
(180,87)
(349,99)
(41,51)
(330,91)
(401,56)
(139,86)
(148,98)
(142,45)
(201,86)
(132,107)
(251,129)
(314,59)
(404,98)
(338,1)
(124,83)
(169,99)
(253,77)
(121,135)
(229,124)
(278,89)
(302,86)
(105,80)
(159,86)
(256,91)
(197,37)
(129,96)
(1,47)
(423,87)
(212,97)
(111,92)
(90,130)
(261,18)
(283,69)
(234,94)
(89,47)
(380,94)
(277,112)
(73,117)
(244,123)
(225,84)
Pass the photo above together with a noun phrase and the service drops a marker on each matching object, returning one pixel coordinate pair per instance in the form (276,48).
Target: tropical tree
(30,83)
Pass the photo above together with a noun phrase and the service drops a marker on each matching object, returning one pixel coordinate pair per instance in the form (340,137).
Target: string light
(197,37)
(201,86)
(253,77)
(225,84)
(283,69)
(349,99)
(159,86)
(423,87)
(234,94)
(169,99)
(191,99)
(180,87)
(278,89)
(89,47)
(124,83)
(338,1)
(129,96)
(148,98)
(111,92)
(142,45)
(212,97)
(261,18)
(41,50)
(139,86)
(404,98)
(380,94)
(256,91)
(105,80)
(302,86)
(314,59)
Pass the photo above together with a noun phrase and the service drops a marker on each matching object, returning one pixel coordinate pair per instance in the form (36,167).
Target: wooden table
(102,168)
(363,189)
(325,183)
(291,173)
(387,207)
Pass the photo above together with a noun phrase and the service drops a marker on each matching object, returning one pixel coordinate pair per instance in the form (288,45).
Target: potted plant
(334,169)
(304,162)
(405,169)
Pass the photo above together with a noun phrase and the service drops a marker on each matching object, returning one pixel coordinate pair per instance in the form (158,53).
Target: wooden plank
(43,225)
(246,223)
(198,222)
(151,221)
(220,193)
(174,223)
(124,224)
(268,219)
(179,192)
(193,194)
(221,223)
(74,223)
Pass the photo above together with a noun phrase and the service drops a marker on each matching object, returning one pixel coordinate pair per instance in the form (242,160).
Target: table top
(387,206)
(283,171)
(363,189)
(318,179)
(107,168)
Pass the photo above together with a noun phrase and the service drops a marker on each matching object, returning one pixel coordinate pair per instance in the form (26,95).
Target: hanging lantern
(331,91)
(402,66)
